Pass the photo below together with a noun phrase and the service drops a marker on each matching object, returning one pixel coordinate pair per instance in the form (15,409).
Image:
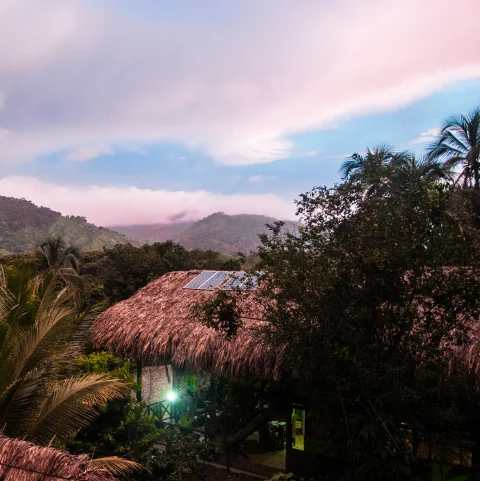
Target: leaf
(115,465)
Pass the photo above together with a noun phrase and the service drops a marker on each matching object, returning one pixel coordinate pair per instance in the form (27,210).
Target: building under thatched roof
(158,325)
(23,461)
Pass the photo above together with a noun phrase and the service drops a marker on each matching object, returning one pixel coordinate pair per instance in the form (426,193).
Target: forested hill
(24,225)
(220,232)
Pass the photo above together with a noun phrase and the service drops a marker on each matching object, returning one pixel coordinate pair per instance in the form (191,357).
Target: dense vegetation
(23,225)
(375,305)
(19,213)
(51,386)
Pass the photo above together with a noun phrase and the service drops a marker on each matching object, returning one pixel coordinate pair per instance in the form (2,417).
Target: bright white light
(172,396)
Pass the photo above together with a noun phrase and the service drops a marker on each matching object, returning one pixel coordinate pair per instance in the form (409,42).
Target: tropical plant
(125,428)
(381,166)
(374,165)
(458,144)
(56,255)
(40,399)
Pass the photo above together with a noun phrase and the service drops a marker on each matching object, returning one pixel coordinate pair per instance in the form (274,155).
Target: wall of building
(157,381)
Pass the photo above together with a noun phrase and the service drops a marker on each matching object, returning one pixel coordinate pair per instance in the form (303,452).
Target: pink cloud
(85,73)
(104,205)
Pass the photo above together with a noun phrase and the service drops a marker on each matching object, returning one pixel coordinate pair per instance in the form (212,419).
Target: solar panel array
(199,280)
(207,280)
(215,280)
(242,281)
(234,282)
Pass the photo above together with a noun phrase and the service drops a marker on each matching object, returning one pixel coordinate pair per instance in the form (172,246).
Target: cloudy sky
(139,111)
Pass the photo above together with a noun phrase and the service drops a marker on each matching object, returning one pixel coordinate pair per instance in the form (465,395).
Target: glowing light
(172,396)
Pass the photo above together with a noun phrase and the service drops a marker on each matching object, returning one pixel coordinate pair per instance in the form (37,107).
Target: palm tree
(374,167)
(382,166)
(56,255)
(458,144)
(41,398)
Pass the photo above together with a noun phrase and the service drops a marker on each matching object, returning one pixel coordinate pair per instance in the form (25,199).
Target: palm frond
(115,465)
(73,404)
(350,165)
(25,395)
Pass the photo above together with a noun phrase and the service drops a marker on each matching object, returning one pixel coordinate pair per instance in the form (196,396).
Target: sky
(130,112)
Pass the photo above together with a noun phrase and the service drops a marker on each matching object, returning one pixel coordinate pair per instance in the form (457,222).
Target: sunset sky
(145,111)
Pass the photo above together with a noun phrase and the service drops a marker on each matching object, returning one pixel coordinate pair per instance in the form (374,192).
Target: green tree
(40,398)
(366,305)
(458,144)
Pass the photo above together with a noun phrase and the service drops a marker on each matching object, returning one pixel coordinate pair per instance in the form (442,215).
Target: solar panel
(207,280)
(242,281)
(234,282)
(214,281)
(200,279)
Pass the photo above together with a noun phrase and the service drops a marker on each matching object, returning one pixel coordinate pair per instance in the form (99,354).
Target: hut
(24,461)
(158,327)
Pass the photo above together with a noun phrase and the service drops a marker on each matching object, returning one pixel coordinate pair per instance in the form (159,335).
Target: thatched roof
(157,324)
(22,461)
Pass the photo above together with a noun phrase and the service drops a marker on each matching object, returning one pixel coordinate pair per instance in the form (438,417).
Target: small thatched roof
(157,324)
(22,461)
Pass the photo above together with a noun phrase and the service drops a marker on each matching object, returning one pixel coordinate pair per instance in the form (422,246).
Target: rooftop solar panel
(215,281)
(234,282)
(208,280)
(200,279)
(241,280)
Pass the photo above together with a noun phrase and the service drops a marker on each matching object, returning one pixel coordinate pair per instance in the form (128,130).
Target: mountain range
(23,225)
(228,234)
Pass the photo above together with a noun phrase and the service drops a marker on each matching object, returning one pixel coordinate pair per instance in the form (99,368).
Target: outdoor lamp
(172,396)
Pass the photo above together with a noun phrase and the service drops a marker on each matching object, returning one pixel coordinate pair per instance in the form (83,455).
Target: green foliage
(367,307)
(42,398)
(105,362)
(126,268)
(125,429)
(222,313)
(185,421)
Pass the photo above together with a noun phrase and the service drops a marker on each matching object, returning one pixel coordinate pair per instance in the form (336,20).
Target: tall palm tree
(40,396)
(458,144)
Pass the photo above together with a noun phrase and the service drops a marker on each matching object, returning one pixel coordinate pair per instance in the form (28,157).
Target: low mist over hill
(24,225)
(223,233)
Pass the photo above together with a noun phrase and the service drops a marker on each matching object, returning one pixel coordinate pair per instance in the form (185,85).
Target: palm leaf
(115,465)
(73,404)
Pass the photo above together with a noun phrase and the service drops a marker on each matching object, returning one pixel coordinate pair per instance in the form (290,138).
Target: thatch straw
(23,461)
(157,325)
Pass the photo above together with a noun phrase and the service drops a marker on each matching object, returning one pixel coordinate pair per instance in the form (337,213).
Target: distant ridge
(23,225)
(228,234)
